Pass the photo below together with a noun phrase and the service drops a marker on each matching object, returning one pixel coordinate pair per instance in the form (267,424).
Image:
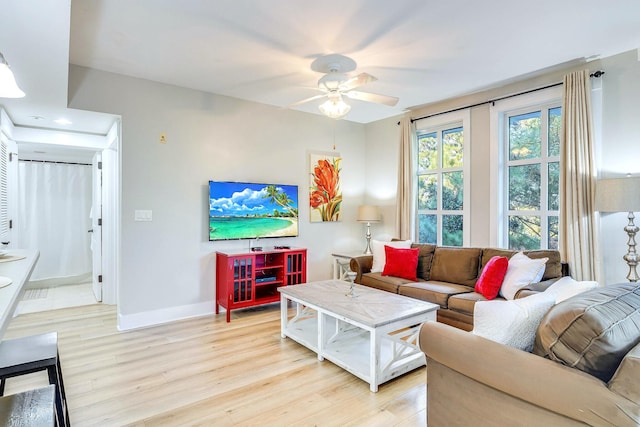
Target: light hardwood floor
(208,372)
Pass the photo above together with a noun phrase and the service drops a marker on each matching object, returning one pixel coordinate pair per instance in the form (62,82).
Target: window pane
(428,151)
(452,230)
(428,228)
(555,121)
(524,232)
(553,233)
(452,190)
(524,187)
(428,192)
(452,148)
(524,136)
(554,187)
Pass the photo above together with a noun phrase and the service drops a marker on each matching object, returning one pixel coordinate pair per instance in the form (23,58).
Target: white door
(96,226)
(110,215)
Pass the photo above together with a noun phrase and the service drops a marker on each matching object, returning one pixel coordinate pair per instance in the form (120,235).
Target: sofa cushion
(491,278)
(456,265)
(379,257)
(385,283)
(592,331)
(464,303)
(425,257)
(435,292)
(401,263)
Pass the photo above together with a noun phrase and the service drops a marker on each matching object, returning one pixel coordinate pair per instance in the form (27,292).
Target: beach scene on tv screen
(240,210)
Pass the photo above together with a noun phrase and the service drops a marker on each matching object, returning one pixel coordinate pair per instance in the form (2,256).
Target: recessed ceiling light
(63,122)
(36,117)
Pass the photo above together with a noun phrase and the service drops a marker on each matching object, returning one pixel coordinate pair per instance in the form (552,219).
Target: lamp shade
(368,213)
(618,194)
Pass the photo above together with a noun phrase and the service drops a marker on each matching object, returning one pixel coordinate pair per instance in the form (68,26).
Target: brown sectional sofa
(447,276)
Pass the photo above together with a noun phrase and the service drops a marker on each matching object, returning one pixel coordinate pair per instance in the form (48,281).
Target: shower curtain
(54,205)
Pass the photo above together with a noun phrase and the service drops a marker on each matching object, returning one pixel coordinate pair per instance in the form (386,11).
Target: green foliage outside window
(428,229)
(428,151)
(452,230)
(525,175)
(439,163)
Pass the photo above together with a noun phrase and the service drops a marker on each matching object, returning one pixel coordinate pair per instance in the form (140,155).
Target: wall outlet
(143,215)
(163,138)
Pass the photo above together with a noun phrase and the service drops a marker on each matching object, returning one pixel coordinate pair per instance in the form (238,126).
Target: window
(532,177)
(442,202)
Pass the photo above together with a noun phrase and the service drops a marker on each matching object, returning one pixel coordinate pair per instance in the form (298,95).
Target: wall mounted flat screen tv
(244,210)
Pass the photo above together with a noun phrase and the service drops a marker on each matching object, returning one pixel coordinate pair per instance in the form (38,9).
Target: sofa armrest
(361,265)
(625,380)
(541,383)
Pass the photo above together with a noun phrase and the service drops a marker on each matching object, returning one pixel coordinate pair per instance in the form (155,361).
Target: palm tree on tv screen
(280,198)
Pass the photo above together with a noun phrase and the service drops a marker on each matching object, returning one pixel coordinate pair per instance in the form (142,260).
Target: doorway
(100,151)
(54,215)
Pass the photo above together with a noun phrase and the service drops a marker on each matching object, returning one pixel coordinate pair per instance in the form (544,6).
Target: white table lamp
(622,195)
(368,214)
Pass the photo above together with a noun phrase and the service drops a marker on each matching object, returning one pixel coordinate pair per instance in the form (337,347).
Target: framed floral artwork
(325,195)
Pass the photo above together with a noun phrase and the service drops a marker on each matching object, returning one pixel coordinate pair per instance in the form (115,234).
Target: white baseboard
(59,281)
(145,319)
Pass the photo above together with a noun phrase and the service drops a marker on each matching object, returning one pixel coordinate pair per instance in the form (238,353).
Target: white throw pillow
(513,323)
(521,271)
(567,286)
(379,256)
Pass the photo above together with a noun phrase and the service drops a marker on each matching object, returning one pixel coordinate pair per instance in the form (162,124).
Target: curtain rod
(595,74)
(58,163)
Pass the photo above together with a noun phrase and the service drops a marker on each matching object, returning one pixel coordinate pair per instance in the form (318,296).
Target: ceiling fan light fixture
(8,86)
(332,82)
(335,107)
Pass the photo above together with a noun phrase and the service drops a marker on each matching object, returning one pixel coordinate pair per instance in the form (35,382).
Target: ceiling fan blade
(372,97)
(359,80)
(313,98)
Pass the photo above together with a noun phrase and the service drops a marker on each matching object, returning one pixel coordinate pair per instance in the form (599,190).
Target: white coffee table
(373,335)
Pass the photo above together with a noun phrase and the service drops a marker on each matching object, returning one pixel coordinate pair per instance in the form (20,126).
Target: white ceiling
(420,51)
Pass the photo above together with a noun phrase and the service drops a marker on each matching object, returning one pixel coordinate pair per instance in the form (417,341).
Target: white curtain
(405,199)
(54,205)
(578,227)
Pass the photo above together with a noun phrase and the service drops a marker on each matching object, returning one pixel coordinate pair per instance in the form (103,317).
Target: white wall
(381,182)
(620,152)
(167,265)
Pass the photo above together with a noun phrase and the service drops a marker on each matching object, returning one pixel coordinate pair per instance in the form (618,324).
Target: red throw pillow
(401,263)
(492,276)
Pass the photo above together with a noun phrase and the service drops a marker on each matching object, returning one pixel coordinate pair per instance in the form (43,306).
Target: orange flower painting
(325,196)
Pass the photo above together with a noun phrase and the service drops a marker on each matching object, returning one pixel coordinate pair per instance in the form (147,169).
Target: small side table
(341,262)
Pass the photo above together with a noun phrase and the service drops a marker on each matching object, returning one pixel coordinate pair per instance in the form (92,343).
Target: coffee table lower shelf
(373,354)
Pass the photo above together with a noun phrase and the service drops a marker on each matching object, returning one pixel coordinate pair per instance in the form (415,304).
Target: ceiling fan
(336,84)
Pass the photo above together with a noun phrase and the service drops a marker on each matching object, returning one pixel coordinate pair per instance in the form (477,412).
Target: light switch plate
(143,215)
